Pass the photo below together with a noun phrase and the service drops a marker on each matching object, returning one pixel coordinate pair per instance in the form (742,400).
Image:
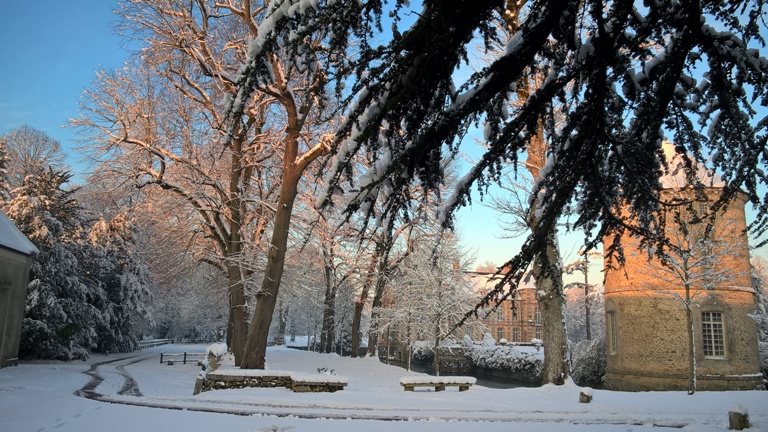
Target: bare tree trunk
(237,333)
(256,347)
(360,304)
(329,330)
(549,293)
(381,282)
(691,346)
(233,247)
(356,319)
(282,318)
(586,297)
(436,361)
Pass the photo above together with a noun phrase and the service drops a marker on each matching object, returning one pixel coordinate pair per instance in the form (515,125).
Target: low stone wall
(237,379)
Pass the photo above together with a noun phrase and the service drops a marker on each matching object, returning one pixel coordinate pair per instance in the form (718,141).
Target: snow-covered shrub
(85,291)
(466,341)
(422,352)
(488,340)
(212,358)
(506,358)
(588,362)
(218,349)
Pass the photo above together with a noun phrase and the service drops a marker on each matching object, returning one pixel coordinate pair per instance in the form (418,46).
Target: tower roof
(675,177)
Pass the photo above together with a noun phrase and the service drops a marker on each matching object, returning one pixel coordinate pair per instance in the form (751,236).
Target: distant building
(15,260)
(647,332)
(517,319)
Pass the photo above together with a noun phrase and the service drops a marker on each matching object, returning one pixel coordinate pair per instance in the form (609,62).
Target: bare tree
(29,150)
(161,124)
(696,258)
(430,297)
(582,266)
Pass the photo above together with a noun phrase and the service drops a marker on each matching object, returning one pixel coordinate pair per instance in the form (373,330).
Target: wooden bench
(438,382)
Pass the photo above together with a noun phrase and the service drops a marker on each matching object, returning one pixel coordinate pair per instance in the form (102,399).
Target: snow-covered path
(136,392)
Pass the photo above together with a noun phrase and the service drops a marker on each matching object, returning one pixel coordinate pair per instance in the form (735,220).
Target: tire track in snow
(129,388)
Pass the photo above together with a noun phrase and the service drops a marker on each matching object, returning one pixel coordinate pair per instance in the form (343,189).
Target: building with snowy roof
(517,319)
(16,253)
(655,342)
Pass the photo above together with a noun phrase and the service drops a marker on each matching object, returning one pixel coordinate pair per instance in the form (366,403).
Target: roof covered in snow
(482,282)
(12,238)
(675,177)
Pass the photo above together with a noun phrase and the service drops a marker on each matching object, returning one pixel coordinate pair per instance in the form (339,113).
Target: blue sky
(50,52)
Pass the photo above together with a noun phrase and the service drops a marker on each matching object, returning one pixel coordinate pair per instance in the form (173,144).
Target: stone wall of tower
(650,350)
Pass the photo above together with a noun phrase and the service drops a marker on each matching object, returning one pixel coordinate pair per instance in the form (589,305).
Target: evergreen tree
(87,287)
(123,284)
(59,317)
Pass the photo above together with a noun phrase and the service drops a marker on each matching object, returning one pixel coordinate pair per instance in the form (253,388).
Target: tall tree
(59,319)
(581,265)
(625,76)
(160,124)
(29,150)
(429,297)
(118,271)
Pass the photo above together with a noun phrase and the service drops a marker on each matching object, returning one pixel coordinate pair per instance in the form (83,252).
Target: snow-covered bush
(422,352)
(212,358)
(588,362)
(506,358)
(467,342)
(87,288)
(488,340)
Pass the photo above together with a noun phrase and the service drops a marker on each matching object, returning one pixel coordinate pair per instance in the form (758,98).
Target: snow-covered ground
(135,392)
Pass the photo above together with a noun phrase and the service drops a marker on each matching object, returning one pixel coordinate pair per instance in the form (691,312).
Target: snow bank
(218,349)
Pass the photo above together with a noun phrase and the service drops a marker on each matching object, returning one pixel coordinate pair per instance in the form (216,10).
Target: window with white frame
(712,333)
(537,316)
(500,314)
(499,333)
(516,335)
(538,332)
(515,316)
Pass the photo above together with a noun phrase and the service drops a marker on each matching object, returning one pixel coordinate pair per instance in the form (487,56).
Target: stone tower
(647,335)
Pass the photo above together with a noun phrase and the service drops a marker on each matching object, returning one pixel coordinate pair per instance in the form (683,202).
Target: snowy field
(135,392)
